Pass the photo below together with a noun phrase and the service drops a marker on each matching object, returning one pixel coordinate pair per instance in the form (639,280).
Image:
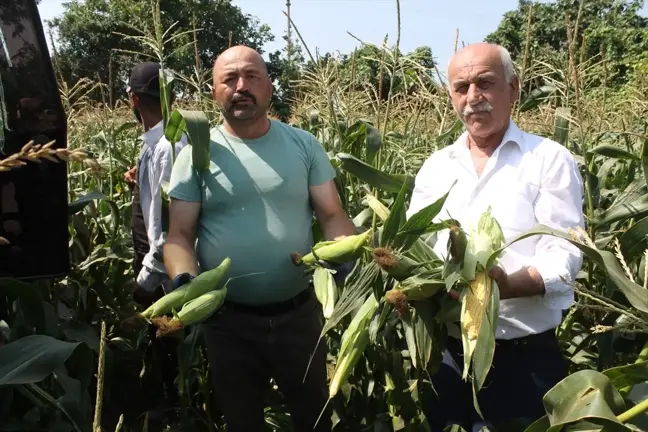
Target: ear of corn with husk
(398,266)
(336,251)
(417,287)
(325,290)
(478,317)
(204,282)
(354,341)
(193,312)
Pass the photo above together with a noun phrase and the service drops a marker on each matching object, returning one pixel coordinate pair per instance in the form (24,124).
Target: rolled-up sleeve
(559,206)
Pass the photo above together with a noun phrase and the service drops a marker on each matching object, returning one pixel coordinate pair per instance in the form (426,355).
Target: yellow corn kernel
(477,300)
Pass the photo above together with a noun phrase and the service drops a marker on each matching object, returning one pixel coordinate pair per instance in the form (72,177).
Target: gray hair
(507,62)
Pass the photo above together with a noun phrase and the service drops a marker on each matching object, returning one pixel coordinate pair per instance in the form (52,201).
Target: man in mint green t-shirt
(255,204)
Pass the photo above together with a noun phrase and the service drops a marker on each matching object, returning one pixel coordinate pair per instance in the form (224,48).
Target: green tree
(90,42)
(611,27)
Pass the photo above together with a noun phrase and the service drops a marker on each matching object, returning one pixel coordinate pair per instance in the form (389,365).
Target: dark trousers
(523,370)
(247,347)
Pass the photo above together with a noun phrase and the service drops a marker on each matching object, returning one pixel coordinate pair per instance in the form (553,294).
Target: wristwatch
(181,279)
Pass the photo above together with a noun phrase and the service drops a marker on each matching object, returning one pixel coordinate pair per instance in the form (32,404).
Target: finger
(454,295)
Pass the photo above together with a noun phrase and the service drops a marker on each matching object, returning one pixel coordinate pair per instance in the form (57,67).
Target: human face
(480,94)
(242,88)
(134,100)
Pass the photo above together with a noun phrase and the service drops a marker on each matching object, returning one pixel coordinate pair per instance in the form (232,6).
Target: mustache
(242,95)
(480,107)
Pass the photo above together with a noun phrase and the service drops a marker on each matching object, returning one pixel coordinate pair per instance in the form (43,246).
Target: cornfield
(70,364)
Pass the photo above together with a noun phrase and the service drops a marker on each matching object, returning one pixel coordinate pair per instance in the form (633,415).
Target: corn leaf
(374,177)
(585,396)
(635,240)
(395,219)
(78,205)
(166,90)
(196,125)
(374,143)
(32,358)
(410,339)
(635,293)
(537,96)
(614,152)
(421,222)
(644,159)
(357,286)
(627,375)
(619,212)
(561,125)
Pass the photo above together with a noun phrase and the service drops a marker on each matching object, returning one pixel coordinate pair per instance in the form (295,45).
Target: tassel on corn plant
(204,282)
(335,251)
(193,312)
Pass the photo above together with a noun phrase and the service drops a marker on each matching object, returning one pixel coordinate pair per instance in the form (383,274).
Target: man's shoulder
(441,156)
(301,136)
(547,148)
(163,146)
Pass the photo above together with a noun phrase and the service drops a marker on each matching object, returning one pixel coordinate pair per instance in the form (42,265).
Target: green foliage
(96,26)
(611,28)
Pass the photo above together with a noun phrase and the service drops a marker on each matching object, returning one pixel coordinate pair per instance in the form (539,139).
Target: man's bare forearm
(336,226)
(179,257)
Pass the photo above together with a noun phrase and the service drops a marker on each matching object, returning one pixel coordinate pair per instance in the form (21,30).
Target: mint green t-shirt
(255,208)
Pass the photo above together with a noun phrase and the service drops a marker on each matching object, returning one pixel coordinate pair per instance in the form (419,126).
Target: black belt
(545,339)
(271,309)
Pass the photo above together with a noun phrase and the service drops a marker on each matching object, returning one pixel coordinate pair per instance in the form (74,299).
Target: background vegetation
(68,362)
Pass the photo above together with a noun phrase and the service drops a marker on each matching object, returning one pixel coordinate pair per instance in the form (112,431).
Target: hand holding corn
(190,304)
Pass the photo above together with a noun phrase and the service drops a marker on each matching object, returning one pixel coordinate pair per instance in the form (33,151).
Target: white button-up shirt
(528,180)
(156,162)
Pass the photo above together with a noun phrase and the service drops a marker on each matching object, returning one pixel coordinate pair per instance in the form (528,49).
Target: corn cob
(354,341)
(457,243)
(193,312)
(399,267)
(412,289)
(473,310)
(325,290)
(208,281)
(337,252)
(176,298)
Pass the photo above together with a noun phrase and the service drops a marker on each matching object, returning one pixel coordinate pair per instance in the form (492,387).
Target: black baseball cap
(145,78)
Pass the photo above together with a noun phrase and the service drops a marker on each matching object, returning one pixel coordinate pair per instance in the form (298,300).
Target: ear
(515,89)
(135,100)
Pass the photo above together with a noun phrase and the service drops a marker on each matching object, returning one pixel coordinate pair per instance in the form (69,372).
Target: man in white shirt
(155,162)
(153,168)
(527,180)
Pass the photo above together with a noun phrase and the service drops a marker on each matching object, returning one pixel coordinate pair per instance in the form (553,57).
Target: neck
(486,145)
(148,120)
(247,129)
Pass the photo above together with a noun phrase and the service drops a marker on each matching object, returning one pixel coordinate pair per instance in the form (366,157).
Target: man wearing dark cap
(152,170)
(154,162)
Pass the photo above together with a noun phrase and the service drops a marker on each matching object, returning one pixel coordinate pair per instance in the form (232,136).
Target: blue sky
(324,23)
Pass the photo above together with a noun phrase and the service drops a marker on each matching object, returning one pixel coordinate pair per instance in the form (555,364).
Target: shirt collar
(153,135)
(513,135)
